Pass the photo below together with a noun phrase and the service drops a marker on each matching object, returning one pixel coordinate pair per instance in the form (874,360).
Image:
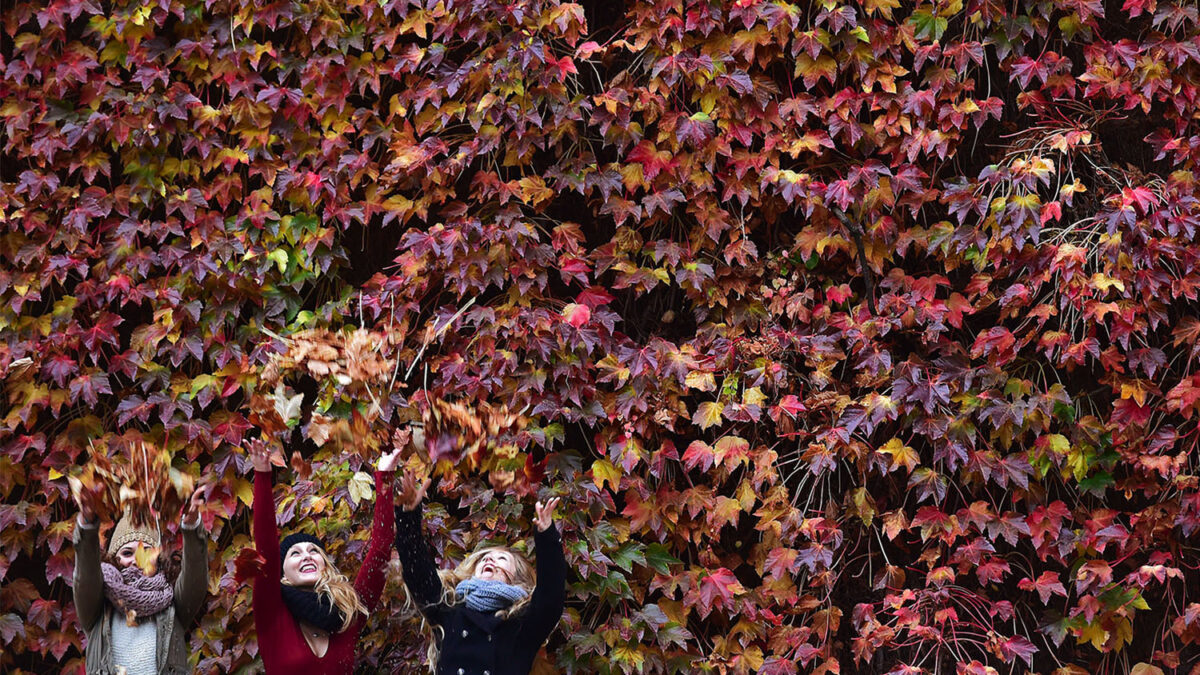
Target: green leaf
(659,558)
(926,25)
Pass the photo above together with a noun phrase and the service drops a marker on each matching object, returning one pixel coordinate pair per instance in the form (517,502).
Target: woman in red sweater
(307,614)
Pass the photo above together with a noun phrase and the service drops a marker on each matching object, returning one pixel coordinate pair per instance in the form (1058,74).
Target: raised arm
(191,588)
(88,587)
(373,573)
(420,573)
(546,605)
(266,535)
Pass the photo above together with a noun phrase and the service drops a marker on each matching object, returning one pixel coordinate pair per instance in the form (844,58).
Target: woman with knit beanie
(493,612)
(308,615)
(138,623)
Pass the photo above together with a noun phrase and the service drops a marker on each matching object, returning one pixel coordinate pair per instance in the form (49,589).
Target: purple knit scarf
(129,589)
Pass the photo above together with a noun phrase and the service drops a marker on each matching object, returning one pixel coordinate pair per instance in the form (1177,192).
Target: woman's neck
(317,639)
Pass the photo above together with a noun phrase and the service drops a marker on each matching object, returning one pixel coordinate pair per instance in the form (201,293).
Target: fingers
(411,492)
(544,513)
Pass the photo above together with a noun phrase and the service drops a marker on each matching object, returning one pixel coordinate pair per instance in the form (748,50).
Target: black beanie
(293,539)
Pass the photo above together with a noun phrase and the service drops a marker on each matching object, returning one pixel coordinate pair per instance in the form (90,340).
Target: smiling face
(303,564)
(497,565)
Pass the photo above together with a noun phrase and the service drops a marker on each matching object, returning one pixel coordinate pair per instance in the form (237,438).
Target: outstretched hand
(191,512)
(260,456)
(388,460)
(411,493)
(544,511)
(86,514)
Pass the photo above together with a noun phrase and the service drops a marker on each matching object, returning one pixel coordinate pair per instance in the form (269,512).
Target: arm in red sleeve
(266,535)
(373,573)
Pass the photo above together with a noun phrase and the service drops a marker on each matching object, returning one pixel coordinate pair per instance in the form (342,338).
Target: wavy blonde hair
(524,576)
(338,590)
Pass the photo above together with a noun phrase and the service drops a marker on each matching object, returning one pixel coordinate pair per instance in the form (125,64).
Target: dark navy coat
(478,643)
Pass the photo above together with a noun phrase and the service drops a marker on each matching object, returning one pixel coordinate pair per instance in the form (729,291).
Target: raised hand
(191,512)
(260,456)
(86,514)
(388,460)
(544,511)
(411,493)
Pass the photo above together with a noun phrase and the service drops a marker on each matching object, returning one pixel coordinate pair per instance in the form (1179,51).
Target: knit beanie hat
(293,539)
(125,532)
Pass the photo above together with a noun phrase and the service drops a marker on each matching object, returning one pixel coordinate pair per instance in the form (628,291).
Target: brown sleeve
(87,582)
(191,588)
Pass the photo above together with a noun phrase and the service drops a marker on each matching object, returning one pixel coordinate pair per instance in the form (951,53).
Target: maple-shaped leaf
(1046,585)
(717,590)
(1018,646)
(146,558)
(11,626)
(901,454)
(708,414)
(698,455)
(247,565)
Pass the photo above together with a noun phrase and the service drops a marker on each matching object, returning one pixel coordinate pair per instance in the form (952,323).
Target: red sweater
(282,645)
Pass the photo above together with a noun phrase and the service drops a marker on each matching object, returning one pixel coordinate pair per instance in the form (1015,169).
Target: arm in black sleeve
(420,573)
(546,605)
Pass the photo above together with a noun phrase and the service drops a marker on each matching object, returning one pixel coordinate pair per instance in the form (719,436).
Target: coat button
(489,640)
(487,672)
(464,632)
(461,671)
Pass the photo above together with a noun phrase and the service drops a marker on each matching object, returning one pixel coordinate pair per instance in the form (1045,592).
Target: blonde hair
(524,576)
(338,590)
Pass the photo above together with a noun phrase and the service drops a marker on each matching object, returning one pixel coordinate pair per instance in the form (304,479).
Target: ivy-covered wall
(859,336)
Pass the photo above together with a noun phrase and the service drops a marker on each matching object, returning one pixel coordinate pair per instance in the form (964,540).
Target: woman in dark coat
(493,612)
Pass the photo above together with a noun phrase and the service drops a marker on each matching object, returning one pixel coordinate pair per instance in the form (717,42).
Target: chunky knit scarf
(488,595)
(312,608)
(128,589)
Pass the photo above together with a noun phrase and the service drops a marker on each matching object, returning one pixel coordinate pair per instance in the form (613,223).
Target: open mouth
(308,568)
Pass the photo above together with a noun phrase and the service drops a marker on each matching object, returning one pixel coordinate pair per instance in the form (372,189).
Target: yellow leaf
(1093,633)
(603,472)
(1145,669)
(361,487)
(55,474)
(244,491)
(753,658)
(1135,391)
(700,380)
(753,396)
(1059,444)
(631,656)
(146,557)
(708,414)
(864,505)
(1104,282)
(901,454)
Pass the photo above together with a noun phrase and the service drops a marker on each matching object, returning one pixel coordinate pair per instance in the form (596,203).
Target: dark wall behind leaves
(859,335)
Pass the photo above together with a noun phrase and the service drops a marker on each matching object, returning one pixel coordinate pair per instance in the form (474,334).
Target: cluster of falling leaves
(451,431)
(353,358)
(139,483)
(457,430)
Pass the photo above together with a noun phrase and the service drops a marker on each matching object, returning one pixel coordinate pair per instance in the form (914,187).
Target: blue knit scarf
(488,595)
